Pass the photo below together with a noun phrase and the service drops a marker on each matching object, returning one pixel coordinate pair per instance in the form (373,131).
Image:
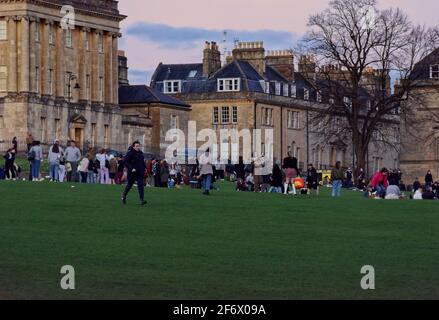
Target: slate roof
(141,94)
(177,72)
(421,71)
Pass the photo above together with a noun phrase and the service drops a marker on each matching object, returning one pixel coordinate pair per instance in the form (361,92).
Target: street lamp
(69,86)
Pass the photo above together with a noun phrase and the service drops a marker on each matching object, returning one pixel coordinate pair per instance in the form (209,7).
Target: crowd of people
(70,165)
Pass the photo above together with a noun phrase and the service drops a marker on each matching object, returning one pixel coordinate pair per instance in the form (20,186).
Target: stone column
(82,74)
(115,90)
(60,76)
(108,49)
(45,57)
(25,55)
(12,72)
(33,48)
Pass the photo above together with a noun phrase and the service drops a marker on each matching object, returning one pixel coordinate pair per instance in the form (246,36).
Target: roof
(421,71)
(177,72)
(272,74)
(142,94)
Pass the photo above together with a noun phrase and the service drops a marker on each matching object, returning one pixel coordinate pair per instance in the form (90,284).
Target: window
(68,37)
(3,78)
(57,129)
(268,117)
(174,122)
(106,134)
(3,30)
(215,118)
(93,134)
(434,71)
(192,74)
(51,40)
(173,86)
(50,82)
(87,41)
(67,87)
(293,120)
(319,97)
(100,43)
(347,101)
(225,115)
(43,129)
(306,94)
(285,89)
(37,79)
(88,87)
(101,89)
(277,86)
(37,31)
(225,85)
(2,122)
(234,114)
(293,91)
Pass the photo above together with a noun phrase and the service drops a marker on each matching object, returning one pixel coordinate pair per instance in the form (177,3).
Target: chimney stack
(211,59)
(282,61)
(253,53)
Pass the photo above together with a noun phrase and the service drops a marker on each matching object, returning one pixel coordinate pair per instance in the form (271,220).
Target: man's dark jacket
(135,160)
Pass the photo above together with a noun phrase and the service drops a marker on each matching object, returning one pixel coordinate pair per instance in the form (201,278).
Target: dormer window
(192,74)
(306,94)
(228,85)
(173,86)
(434,71)
(293,91)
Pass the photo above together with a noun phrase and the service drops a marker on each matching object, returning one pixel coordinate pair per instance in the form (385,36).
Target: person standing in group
(206,172)
(10,171)
(135,163)
(276,178)
(73,155)
(258,178)
(83,168)
(55,153)
(15,144)
(104,166)
(428,179)
(29,141)
(36,157)
(291,173)
(62,169)
(113,169)
(156,172)
(337,176)
(164,174)
(380,182)
(312,179)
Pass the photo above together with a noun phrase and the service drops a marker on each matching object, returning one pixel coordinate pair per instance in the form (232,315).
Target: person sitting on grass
(249,182)
(418,194)
(393,193)
(368,193)
(436,189)
(428,194)
(416,185)
(380,182)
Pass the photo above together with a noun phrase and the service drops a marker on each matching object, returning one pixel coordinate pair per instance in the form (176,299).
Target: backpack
(2,174)
(31,155)
(107,164)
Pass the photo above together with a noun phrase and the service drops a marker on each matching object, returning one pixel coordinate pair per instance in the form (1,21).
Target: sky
(174,31)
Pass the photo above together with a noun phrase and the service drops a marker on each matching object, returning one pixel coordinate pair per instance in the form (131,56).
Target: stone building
(58,76)
(147,114)
(420,131)
(259,89)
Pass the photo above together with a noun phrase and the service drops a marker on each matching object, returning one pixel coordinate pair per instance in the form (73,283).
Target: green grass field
(227,246)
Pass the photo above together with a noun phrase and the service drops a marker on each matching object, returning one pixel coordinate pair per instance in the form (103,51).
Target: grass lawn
(227,246)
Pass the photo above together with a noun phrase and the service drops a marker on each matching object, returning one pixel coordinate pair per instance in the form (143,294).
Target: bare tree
(357,49)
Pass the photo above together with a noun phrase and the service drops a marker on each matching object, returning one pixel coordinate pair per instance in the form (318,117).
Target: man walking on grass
(135,163)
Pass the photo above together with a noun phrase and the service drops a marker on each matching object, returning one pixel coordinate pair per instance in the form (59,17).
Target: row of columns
(23,60)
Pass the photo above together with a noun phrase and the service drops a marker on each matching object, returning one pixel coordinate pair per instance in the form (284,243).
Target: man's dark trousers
(133,177)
